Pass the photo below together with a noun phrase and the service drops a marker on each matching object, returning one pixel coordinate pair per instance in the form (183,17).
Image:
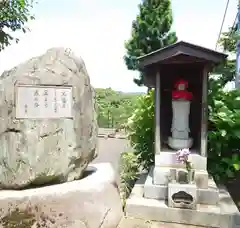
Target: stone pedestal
(208,205)
(208,195)
(214,208)
(179,143)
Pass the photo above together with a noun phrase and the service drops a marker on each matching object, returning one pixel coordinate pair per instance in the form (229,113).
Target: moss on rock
(18,219)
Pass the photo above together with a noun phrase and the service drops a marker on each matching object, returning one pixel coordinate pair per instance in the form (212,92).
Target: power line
(223,20)
(233,28)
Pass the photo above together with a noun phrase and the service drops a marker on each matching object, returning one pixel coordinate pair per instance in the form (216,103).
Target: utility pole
(237,80)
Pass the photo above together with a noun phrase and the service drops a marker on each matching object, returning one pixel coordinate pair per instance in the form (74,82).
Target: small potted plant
(183,157)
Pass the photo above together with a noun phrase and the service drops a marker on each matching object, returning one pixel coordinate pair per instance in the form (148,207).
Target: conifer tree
(150,31)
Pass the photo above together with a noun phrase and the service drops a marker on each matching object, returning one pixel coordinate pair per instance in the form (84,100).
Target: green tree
(150,31)
(227,69)
(229,39)
(13,16)
(114,108)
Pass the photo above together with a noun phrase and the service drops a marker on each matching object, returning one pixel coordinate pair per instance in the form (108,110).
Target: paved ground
(139,223)
(110,149)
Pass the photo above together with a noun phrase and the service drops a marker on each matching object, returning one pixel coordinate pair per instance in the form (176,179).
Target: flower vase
(173,176)
(191,176)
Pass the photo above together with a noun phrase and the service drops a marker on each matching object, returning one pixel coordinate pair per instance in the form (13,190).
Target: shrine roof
(181,52)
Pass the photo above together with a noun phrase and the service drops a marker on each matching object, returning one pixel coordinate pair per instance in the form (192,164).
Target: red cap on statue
(181,83)
(181,92)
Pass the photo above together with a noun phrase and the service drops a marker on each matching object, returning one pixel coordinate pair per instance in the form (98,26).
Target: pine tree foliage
(150,31)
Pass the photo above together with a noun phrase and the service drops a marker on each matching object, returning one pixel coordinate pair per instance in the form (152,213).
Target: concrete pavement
(109,150)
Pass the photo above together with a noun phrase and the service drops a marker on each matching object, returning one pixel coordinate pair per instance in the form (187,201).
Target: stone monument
(162,195)
(48,136)
(48,126)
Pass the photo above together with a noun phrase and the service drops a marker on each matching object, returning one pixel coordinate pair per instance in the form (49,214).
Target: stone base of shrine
(225,214)
(208,194)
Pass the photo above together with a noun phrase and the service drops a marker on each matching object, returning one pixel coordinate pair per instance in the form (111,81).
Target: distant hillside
(114,107)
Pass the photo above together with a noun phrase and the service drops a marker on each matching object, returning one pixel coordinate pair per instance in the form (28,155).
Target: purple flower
(182,155)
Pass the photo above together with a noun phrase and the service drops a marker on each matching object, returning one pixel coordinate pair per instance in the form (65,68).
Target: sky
(96,30)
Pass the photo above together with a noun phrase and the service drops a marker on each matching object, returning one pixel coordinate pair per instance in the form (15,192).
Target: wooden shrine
(161,69)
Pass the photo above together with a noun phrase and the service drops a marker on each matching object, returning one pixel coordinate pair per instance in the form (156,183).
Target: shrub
(224,135)
(141,130)
(129,170)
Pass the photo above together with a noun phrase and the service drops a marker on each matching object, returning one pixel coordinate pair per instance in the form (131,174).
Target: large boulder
(41,151)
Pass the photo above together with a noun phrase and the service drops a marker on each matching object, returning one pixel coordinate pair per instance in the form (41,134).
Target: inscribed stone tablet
(43,102)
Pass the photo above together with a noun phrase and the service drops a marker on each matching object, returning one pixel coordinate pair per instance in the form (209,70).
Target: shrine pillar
(204,121)
(157,100)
